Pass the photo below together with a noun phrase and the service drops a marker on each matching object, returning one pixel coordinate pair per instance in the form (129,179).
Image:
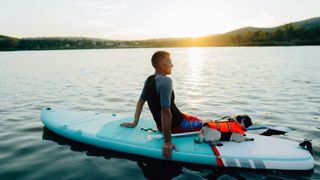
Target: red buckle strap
(218,157)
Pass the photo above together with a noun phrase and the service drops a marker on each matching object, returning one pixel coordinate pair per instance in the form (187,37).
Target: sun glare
(195,64)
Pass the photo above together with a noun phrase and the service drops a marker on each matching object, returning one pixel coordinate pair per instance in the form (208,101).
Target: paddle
(274,128)
(271,130)
(160,136)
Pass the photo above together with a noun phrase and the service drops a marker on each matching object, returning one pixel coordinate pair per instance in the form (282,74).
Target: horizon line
(159,38)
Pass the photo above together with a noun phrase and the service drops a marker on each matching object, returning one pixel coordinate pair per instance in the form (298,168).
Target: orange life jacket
(227,126)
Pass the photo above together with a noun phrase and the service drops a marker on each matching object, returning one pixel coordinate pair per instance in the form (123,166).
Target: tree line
(285,35)
(8,43)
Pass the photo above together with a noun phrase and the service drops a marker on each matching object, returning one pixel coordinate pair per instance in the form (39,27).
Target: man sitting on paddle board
(159,94)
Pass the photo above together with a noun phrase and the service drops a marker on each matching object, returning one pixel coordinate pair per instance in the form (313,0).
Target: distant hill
(249,28)
(307,24)
(305,32)
(8,43)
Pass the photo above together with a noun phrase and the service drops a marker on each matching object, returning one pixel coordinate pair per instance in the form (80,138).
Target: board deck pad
(104,130)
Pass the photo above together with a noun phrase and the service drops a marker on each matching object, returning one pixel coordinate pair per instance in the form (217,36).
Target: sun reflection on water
(195,65)
(195,79)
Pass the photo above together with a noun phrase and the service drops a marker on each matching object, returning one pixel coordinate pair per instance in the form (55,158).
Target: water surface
(273,85)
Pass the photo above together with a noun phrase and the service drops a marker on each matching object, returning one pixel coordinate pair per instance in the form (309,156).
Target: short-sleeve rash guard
(163,88)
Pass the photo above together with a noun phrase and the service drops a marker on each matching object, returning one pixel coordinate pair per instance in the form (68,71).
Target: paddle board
(104,130)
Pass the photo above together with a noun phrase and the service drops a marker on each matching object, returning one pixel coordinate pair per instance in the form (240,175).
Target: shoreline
(222,46)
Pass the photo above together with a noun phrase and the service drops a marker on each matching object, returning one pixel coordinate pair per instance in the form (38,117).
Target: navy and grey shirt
(163,88)
(158,92)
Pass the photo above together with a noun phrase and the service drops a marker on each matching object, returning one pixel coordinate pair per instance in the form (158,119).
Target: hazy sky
(142,19)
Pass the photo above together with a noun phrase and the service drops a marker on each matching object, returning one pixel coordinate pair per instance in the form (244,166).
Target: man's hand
(166,150)
(133,124)
(128,124)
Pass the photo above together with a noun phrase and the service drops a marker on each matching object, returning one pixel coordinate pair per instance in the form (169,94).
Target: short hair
(157,57)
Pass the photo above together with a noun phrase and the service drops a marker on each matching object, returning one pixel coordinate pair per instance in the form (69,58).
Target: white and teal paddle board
(104,130)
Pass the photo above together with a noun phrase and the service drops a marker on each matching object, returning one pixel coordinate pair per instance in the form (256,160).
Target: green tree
(289,32)
(278,35)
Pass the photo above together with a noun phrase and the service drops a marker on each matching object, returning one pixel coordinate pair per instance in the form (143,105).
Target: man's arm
(166,120)
(139,108)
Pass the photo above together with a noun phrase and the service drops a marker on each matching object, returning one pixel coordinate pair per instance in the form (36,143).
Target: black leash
(148,129)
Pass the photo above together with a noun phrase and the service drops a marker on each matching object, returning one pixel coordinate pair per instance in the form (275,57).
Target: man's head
(161,61)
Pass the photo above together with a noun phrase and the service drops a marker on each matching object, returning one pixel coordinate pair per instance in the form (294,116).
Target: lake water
(274,85)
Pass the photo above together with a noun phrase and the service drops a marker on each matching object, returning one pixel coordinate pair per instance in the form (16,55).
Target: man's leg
(189,124)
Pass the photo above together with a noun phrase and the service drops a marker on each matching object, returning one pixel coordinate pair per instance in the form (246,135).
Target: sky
(146,19)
